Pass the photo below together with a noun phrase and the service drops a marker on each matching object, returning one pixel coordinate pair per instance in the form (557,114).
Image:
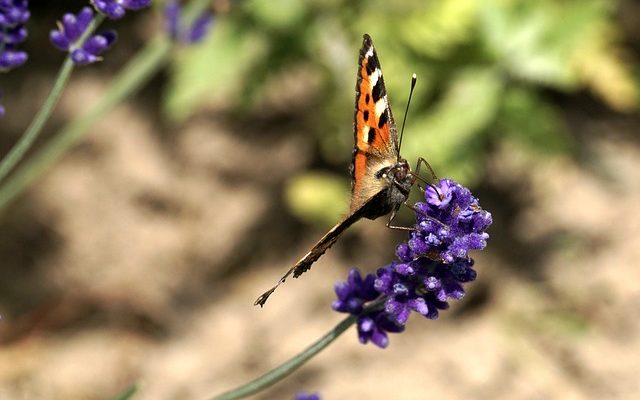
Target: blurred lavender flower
(69,31)
(433,265)
(13,15)
(115,9)
(304,396)
(195,33)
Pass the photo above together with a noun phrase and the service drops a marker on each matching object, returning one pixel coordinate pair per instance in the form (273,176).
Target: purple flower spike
(116,9)
(450,224)
(13,15)
(71,28)
(69,32)
(433,265)
(200,28)
(195,33)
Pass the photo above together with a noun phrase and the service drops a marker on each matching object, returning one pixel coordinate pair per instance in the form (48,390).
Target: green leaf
(128,393)
(448,136)
(211,72)
(435,28)
(279,14)
(531,121)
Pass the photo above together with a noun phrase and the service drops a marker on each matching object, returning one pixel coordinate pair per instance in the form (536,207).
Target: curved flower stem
(289,366)
(31,134)
(128,393)
(135,74)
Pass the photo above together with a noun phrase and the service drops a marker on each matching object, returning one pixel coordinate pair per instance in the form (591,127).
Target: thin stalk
(137,72)
(18,151)
(128,393)
(289,366)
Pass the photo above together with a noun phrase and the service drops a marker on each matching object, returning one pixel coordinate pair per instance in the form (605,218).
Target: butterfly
(380,178)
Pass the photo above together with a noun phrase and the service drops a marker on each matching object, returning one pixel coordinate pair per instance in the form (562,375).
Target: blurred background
(137,257)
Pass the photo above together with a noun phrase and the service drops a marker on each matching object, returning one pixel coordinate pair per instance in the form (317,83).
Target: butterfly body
(380,179)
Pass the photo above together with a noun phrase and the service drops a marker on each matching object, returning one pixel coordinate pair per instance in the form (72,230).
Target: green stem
(137,72)
(134,75)
(31,134)
(128,393)
(289,366)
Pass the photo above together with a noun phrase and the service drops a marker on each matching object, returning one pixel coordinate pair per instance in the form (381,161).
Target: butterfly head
(399,176)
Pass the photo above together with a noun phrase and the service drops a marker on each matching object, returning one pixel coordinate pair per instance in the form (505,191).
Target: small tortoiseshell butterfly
(380,178)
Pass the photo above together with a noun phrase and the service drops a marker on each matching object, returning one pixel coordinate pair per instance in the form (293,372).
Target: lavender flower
(352,296)
(426,289)
(195,33)
(304,396)
(354,293)
(116,9)
(431,268)
(13,16)
(449,224)
(69,32)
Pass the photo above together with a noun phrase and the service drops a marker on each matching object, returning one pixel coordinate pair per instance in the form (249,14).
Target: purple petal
(172,17)
(200,28)
(84,18)
(135,4)
(110,8)
(59,40)
(82,57)
(70,27)
(419,305)
(100,42)
(11,59)
(379,338)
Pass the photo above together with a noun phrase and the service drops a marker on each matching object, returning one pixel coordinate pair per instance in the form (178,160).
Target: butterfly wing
(375,133)
(312,256)
(376,147)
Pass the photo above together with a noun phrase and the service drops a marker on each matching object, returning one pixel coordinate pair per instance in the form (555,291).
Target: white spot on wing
(381,105)
(369,52)
(373,79)
(365,133)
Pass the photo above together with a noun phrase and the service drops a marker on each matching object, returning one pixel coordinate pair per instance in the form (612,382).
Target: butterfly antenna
(414,78)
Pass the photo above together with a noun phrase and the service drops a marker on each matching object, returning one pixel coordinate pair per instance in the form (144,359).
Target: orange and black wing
(375,133)
(375,147)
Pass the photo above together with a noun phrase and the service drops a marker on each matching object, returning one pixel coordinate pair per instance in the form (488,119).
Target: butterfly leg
(398,227)
(434,177)
(415,210)
(421,161)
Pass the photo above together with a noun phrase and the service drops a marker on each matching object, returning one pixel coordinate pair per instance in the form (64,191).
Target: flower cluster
(195,33)
(70,31)
(116,9)
(13,16)
(432,265)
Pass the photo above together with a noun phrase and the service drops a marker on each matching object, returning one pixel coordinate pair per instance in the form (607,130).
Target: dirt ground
(138,258)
